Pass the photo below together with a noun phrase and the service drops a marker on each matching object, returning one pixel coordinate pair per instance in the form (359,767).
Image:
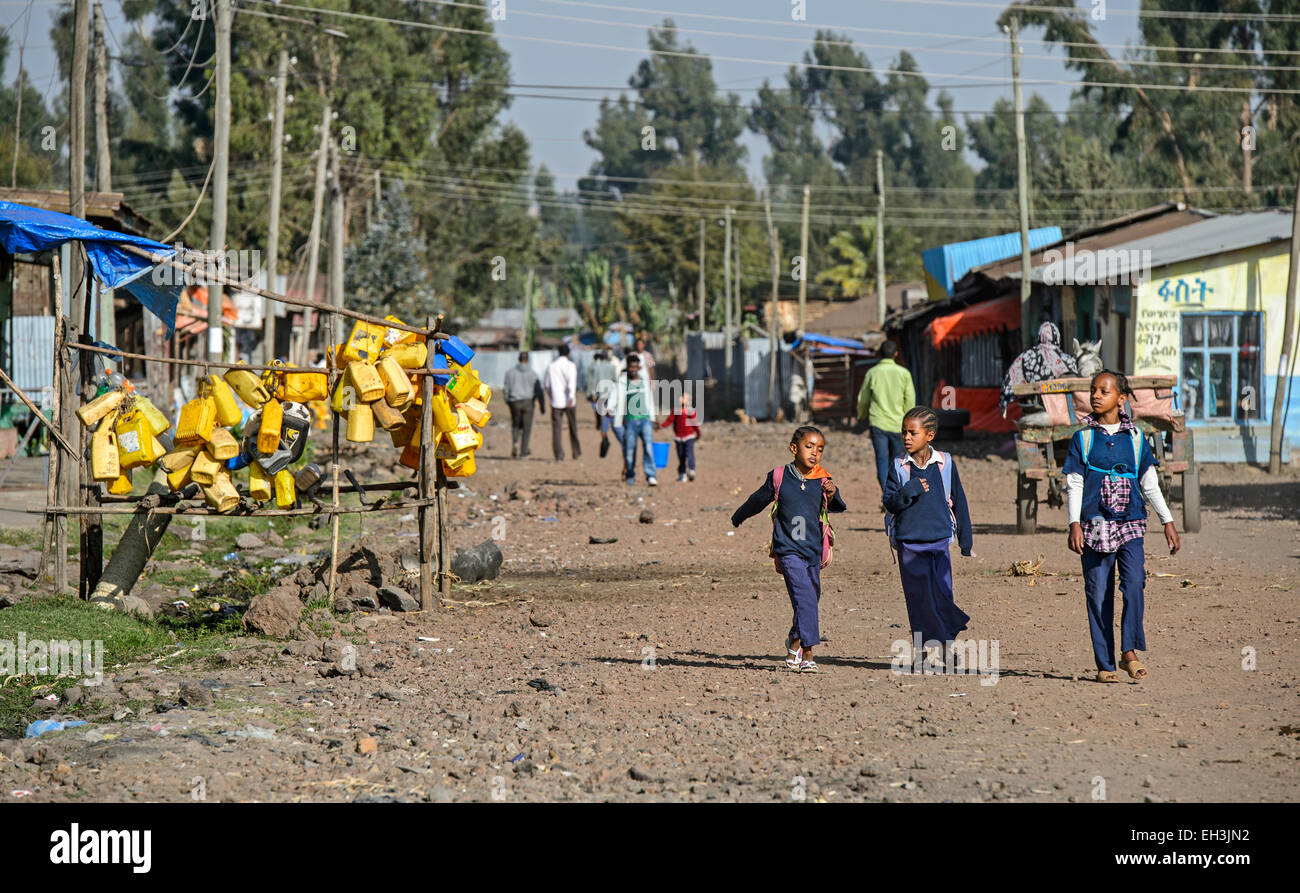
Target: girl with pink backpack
(926,512)
(802,494)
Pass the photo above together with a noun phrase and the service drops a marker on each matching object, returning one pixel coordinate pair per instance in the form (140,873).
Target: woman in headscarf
(1041,362)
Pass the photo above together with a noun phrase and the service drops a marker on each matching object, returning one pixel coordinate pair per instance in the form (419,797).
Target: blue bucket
(661,454)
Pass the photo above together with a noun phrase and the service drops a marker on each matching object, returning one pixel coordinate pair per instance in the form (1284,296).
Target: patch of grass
(21,536)
(124,638)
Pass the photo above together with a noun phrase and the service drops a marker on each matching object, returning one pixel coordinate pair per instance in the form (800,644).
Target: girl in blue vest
(1110,475)
(927,511)
(804,493)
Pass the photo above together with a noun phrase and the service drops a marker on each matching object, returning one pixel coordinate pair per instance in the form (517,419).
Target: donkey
(1088,357)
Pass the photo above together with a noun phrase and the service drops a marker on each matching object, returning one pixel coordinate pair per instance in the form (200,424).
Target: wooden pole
(726,300)
(1022,183)
(18,118)
(103,160)
(313,237)
(803,262)
(882,306)
(426,483)
(334,516)
(1288,345)
(700,287)
(220,172)
(55,473)
(336,240)
(71,470)
(273,225)
(772,404)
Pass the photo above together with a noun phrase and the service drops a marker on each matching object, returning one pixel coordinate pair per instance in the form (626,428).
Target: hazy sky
(576,44)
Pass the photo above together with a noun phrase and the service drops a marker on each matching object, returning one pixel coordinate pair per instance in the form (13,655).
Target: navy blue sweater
(922,516)
(794,503)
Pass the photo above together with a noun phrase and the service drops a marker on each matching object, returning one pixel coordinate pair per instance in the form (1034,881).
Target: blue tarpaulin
(828,344)
(28,230)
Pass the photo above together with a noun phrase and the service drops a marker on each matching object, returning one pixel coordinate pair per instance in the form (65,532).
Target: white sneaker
(653,482)
(681,478)
(690,475)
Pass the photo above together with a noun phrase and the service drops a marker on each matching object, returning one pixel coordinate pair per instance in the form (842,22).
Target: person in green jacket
(887,394)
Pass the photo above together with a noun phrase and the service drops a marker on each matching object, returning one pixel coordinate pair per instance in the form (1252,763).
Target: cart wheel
(1026,505)
(1192,499)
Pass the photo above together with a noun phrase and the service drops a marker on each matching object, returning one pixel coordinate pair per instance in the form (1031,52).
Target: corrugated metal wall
(29,343)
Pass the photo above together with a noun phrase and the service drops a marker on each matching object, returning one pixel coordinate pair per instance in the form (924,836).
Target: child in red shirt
(686,430)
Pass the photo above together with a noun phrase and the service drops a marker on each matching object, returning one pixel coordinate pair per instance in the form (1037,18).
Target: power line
(1134,13)
(844,43)
(755,61)
(894,31)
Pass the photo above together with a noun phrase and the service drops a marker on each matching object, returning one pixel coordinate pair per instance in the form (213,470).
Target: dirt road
(651,668)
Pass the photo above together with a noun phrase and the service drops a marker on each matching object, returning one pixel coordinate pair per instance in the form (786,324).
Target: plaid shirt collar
(1125,422)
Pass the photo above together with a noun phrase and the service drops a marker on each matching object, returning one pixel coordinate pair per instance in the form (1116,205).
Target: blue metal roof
(946,264)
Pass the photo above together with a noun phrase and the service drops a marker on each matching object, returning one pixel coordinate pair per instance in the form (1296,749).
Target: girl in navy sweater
(927,507)
(805,492)
(1110,475)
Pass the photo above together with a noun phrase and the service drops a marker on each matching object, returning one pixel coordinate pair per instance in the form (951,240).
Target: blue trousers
(642,430)
(803,580)
(926,572)
(685,456)
(1099,587)
(888,446)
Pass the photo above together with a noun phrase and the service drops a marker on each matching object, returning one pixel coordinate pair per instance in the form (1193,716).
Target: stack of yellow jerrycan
(275,434)
(205,450)
(127,427)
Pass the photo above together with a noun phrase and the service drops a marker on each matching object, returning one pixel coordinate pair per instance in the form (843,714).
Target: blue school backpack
(1085,440)
(902,471)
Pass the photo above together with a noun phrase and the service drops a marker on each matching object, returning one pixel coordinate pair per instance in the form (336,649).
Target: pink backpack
(828,532)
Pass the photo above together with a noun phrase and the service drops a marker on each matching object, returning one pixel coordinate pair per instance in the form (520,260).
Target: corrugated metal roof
(948,263)
(548,318)
(1227,232)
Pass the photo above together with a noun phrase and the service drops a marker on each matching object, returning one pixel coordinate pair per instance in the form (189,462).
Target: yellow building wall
(1250,279)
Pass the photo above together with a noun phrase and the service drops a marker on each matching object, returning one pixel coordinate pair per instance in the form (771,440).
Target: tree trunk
(138,541)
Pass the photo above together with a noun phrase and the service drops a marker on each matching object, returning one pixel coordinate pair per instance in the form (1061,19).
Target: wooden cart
(1041,450)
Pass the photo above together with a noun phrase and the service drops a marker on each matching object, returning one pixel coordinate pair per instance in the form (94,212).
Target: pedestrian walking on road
(634,413)
(562,389)
(522,387)
(602,377)
(887,393)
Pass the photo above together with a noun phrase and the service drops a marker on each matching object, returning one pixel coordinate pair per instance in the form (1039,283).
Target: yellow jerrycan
(121,485)
(386,416)
(101,406)
(361,424)
(411,355)
(365,381)
(285,494)
(365,342)
(397,386)
(259,484)
(268,434)
(248,385)
(179,478)
(224,397)
(136,444)
(178,459)
(204,468)
(196,421)
(223,445)
(104,462)
(221,493)
(158,422)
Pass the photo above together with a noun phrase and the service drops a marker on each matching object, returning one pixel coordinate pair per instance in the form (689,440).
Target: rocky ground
(650,668)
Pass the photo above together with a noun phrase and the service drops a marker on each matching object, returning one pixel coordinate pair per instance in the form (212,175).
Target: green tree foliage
(385,270)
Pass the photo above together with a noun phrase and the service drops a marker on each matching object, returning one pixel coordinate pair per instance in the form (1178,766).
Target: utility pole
(220,172)
(273,227)
(726,313)
(107,321)
(1285,363)
(77,325)
(803,262)
(772,405)
(103,163)
(337,235)
(526,336)
(18,122)
(1022,178)
(699,288)
(881,307)
(313,237)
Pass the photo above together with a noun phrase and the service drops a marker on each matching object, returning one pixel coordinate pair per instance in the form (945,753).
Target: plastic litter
(516,759)
(41,726)
(21,793)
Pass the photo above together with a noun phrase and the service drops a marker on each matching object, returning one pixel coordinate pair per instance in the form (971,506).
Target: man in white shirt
(561,387)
